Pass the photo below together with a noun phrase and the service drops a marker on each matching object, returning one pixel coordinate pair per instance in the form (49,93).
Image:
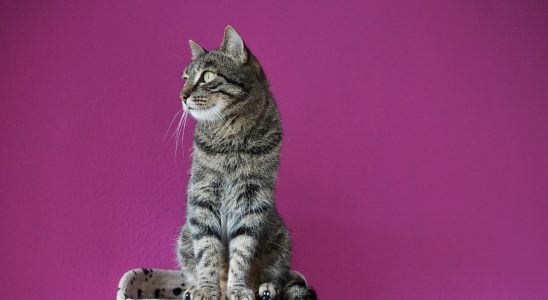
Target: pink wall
(415,158)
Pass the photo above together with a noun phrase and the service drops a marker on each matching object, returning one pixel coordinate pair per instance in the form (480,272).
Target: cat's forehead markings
(208,63)
(189,71)
(197,74)
(197,70)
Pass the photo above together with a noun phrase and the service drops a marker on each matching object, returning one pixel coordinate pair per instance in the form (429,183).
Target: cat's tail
(297,289)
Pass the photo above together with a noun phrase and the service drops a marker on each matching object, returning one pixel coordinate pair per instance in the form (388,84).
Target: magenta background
(414,164)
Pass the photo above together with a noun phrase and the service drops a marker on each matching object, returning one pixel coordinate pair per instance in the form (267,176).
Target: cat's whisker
(177,133)
(209,120)
(171,123)
(229,125)
(185,117)
(225,122)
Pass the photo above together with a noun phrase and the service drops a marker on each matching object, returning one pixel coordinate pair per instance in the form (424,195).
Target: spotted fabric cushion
(151,284)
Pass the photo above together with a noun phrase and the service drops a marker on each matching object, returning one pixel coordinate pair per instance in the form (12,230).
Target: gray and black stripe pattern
(234,245)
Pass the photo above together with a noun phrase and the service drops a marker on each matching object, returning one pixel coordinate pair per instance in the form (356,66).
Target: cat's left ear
(233,45)
(196,49)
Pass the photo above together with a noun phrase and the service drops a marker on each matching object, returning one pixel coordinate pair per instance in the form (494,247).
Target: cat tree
(152,284)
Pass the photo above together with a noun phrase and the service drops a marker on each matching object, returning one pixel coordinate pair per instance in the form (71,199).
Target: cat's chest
(230,212)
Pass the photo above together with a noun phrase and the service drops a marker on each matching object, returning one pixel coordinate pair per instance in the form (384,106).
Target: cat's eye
(208,76)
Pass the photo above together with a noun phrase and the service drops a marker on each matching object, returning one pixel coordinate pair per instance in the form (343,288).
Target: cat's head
(218,81)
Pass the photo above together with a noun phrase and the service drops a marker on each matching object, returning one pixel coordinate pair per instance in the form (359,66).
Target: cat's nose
(184,95)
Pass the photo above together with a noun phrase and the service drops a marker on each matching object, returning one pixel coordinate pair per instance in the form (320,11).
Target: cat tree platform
(153,284)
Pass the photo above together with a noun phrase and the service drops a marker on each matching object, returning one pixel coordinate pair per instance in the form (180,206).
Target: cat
(234,245)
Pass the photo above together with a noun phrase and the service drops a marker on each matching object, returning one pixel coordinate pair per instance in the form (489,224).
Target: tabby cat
(234,245)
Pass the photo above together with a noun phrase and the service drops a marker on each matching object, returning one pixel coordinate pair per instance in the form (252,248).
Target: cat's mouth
(188,107)
(210,113)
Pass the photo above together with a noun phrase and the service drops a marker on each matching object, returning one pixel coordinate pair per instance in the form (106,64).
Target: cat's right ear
(233,45)
(196,49)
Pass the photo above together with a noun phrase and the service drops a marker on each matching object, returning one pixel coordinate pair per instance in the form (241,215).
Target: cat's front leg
(207,252)
(205,228)
(242,249)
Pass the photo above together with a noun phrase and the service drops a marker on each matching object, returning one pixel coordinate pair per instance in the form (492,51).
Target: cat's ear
(196,49)
(233,45)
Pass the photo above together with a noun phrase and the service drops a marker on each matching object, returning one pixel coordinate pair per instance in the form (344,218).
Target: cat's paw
(240,293)
(267,291)
(196,293)
(299,292)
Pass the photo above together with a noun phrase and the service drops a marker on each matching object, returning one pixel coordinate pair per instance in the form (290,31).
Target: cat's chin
(211,114)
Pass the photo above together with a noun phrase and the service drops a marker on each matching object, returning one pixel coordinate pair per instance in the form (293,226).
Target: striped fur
(234,244)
